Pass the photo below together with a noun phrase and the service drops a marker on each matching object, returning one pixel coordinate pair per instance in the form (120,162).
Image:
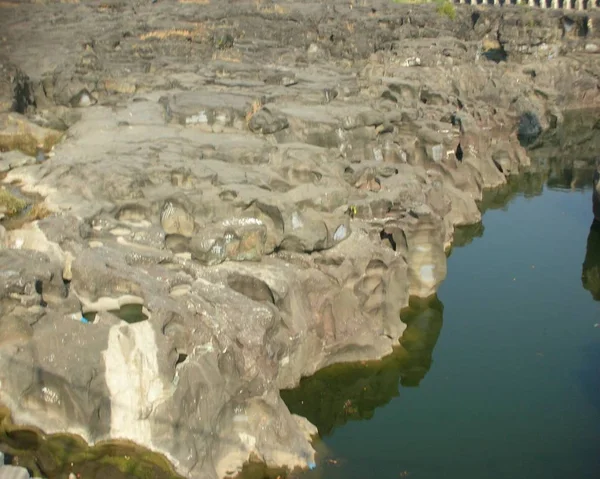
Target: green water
(131,313)
(507,387)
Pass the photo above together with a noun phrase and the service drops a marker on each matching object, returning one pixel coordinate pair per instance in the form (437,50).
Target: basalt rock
(268,208)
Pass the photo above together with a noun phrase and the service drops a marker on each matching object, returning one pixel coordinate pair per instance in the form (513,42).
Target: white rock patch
(133,380)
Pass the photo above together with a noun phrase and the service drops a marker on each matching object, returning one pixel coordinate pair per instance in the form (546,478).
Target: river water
(498,377)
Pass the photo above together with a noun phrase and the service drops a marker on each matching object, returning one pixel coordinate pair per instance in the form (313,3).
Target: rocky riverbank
(267,182)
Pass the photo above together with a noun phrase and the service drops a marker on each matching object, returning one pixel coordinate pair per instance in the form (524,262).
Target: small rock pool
(498,376)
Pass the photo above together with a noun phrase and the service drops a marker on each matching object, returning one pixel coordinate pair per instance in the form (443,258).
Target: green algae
(57,455)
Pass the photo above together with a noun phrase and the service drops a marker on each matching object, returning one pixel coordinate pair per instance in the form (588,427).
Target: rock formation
(268,183)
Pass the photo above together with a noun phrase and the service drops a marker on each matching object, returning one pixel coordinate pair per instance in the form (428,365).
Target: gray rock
(13,472)
(267,121)
(175,220)
(241,239)
(14,159)
(270,221)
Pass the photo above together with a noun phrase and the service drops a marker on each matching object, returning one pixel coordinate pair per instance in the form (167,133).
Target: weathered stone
(248,260)
(175,220)
(18,133)
(241,239)
(267,121)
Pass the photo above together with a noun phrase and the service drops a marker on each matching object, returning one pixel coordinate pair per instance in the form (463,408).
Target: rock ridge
(239,194)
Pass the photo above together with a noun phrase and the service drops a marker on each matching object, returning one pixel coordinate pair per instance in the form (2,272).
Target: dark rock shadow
(350,392)
(590,274)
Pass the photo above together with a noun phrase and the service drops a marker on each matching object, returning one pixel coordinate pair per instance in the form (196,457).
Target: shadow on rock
(590,275)
(346,392)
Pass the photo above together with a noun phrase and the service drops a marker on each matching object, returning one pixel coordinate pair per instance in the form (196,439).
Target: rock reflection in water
(528,184)
(345,392)
(55,456)
(590,276)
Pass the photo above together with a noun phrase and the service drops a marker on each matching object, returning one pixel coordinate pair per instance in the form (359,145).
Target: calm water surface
(508,387)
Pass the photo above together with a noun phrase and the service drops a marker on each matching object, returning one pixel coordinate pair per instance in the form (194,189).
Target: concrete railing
(555,4)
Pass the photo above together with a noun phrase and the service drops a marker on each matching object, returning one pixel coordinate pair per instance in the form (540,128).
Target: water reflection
(590,275)
(528,184)
(555,173)
(55,456)
(350,392)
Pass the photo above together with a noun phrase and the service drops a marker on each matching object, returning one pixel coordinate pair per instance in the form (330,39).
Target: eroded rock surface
(271,182)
